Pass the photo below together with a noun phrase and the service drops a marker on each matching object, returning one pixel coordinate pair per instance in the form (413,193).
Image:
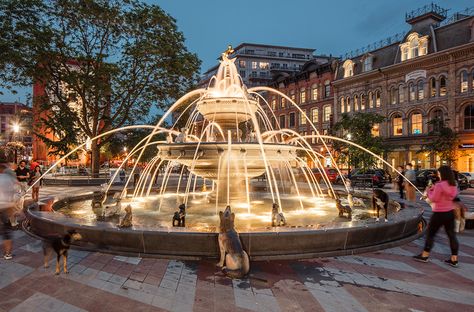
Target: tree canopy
(358,128)
(444,142)
(102,63)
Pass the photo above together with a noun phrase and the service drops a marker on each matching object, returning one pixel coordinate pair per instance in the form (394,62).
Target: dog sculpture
(179,217)
(343,209)
(380,201)
(113,210)
(127,219)
(236,260)
(278,219)
(60,245)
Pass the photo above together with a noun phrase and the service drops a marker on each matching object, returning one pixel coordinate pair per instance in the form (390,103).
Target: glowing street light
(16,127)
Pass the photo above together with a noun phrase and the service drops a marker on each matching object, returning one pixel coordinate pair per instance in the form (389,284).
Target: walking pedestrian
(442,194)
(7,189)
(23,175)
(36,181)
(410,174)
(401,182)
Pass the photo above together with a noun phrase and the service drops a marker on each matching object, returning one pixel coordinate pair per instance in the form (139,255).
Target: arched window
(414,48)
(397,124)
(348,105)
(393,95)
(416,123)
(421,90)
(464,81)
(293,95)
(314,115)
(432,87)
(469,117)
(274,102)
(362,102)
(314,92)
(401,94)
(327,89)
(371,99)
(343,104)
(377,99)
(302,95)
(348,68)
(356,103)
(411,92)
(283,102)
(302,118)
(327,113)
(437,119)
(442,86)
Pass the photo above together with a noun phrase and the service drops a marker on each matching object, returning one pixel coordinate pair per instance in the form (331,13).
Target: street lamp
(349,137)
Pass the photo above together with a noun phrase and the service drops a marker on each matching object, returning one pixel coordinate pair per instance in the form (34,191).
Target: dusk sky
(331,27)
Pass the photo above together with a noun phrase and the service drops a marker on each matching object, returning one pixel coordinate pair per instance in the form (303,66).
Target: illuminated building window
(371,99)
(314,115)
(464,81)
(416,123)
(293,95)
(393,95)
(414,46)
(356,103)
(348,68)
(348,105)
(442,86)
(432,87)
(302,95)
(397,124)
(264,65)
(254,65)
(376,130)
(274,103)
(362,102)
(377,99)
(421,90)
(368,60)
(411,92)
(283,102)
(313,137)
(343,104)
(242,64)
(314,92)
(302,118)
(326,113)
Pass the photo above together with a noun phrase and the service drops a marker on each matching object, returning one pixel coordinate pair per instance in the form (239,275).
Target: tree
(102,62)
(357,128)
(444,141)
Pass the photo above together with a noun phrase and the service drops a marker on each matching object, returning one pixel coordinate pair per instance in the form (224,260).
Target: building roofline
(271,46)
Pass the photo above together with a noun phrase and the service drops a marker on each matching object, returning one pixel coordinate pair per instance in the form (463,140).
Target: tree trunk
(95,159)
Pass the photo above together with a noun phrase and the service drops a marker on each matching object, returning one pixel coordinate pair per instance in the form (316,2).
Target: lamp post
(16,130)
(349,137)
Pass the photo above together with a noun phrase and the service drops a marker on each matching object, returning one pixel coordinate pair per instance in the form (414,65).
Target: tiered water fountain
(228,153)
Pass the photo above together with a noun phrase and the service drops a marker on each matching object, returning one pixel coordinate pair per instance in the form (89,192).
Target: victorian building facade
(428,74)
(312,92)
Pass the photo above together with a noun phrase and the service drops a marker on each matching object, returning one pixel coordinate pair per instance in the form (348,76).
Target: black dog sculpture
(380,201)
(343,209)
(179,216)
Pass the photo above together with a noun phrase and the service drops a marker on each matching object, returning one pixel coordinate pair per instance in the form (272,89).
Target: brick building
(16,125)
(311,89)
(427,73)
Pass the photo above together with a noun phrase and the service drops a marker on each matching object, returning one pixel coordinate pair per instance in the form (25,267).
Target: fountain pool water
(228,146)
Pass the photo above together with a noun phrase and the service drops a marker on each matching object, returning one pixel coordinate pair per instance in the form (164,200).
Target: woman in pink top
(442,195)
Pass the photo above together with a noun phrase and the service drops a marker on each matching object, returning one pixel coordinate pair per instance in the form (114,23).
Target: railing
(426,9)
(468,12)
(374,46)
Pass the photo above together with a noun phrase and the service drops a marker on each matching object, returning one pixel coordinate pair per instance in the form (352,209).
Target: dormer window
(348,68)
(367,62)
(414,46)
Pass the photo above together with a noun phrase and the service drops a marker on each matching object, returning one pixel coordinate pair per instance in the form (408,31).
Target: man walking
(410,174)
(22,174)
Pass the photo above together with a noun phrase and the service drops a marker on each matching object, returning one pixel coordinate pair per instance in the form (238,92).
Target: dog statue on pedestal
(343,209)
(232,254)
(278,219)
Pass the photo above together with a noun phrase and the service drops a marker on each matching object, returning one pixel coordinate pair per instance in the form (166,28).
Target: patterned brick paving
(387,280)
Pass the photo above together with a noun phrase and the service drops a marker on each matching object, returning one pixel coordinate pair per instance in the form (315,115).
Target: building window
(421,90)
(442,86)
(356,103)
(302,96)
(283,102)
(348,105)
(362,102)
(314,115)
(368,63)
(282,121)
(411,92)
(314,92)
(424,47)
(432,87)
(313,137)
(377,99)
(371,99)
(414,46)
(302,118)
(326,113)
(242,64)
(416,123)
(401,94)
(342,104)
(393,95)
(292,120)
(469,117)
(242,73)
(439,117)
(254,65)
(348,68)
(464,81)
(397,124)
(404,53)
(327,89)
(274,102)
(293,95)
(376,130)
(264,65)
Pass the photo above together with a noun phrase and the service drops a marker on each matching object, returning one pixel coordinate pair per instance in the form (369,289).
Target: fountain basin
(326,239)
(227,111)
(247,159)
